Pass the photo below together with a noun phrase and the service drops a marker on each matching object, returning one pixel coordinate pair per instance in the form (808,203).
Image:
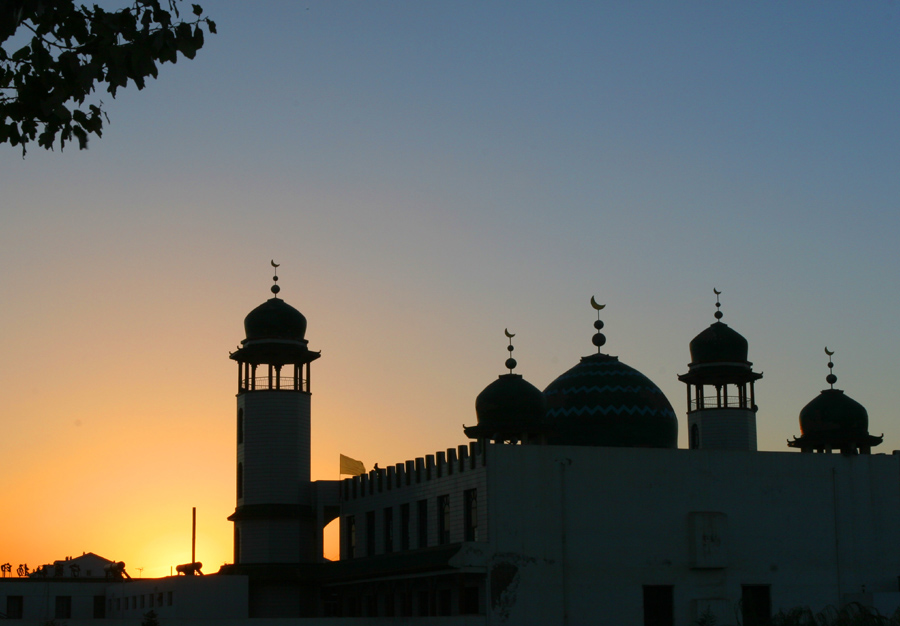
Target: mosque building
(571,505)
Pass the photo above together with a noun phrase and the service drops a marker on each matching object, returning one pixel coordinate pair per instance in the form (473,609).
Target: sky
(427,175)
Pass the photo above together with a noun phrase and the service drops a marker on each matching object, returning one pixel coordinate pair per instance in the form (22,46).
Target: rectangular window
(404,526)
(159,599)
(388,530)
(169,599)
(370,533)
(444,602)
(471,504)
(99,607)
(351,536)
(443,515)
(422,522)
(756,604)
(15,607)
(63,607)
(659,606)
(423,603)
(469,604)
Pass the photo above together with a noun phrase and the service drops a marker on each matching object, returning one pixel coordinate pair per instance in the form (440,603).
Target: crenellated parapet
(457,460)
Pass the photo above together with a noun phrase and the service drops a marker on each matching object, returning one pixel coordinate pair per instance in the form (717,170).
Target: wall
(576,532)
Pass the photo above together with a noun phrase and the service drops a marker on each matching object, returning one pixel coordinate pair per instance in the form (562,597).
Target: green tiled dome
(603,402)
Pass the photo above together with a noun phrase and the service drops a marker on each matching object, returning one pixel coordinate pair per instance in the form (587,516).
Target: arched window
(240,480)
(240,426)
(695,437)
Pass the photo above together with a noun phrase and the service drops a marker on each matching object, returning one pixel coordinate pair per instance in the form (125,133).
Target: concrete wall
(577,532)
(179,597)
(448,473)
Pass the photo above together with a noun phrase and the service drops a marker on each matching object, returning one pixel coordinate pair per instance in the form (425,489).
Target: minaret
(721,401)
(274,521)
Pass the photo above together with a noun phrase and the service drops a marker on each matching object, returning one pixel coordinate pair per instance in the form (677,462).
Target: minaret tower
(721,401)
(274,521)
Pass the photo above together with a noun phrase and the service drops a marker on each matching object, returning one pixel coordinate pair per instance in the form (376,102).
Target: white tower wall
(725,429)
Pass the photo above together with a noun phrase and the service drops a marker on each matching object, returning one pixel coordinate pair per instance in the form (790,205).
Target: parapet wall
(423,469)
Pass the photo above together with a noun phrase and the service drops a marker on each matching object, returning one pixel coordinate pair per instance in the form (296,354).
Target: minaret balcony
(720,402)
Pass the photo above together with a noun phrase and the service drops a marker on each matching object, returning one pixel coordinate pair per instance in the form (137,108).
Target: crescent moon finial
(597,307)
(274,264)
(828,352)
(717,292)
(508,334)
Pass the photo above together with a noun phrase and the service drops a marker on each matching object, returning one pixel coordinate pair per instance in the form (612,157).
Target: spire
(275,287)
(831,378)
(599,338)
(510,362)
(718,313)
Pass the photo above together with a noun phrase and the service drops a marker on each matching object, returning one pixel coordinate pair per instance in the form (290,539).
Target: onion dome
(718,343)
(834,421)
(275,319)
(275,333)
(603,402)
(509,409)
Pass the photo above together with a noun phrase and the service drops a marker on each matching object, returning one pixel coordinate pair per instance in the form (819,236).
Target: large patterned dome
(603,402)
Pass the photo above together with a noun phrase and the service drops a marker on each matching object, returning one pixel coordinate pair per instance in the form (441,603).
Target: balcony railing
(285,383)
(721,402)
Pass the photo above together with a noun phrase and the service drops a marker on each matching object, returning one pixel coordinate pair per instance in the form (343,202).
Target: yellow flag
(352,466)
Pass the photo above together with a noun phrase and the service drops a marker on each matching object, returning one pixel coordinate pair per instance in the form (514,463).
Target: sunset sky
(428,174)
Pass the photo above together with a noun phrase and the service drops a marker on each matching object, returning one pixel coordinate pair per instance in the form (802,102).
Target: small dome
(834,414)
(508,408)
(719,344)
(275,319)
(603,402)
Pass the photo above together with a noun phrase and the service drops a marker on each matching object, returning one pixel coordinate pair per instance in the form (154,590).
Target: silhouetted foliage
(150,619)
(64,52)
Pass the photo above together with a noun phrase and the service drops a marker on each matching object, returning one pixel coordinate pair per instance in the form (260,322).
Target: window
(169,599)
(351,536)
(422,521)
(143,601)
(388,530)
(370,533)
(471,511)
(695,437)
(443,515)
(240,480)
(469,604)
(659,607)
(99,607)
(63,607)
(15,606)
(404,526)
(756,604)
(237,547)
(159,599)
(240,426)
(444,602)
(423,603)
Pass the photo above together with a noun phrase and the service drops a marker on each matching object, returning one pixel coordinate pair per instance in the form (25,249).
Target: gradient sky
(428,174)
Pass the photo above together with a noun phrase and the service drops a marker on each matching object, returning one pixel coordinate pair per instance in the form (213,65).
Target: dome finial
(718,313)
(510,362)
(831,378)
(275,287)
(599,338)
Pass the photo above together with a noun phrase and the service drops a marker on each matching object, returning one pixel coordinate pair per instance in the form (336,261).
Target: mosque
(571,505)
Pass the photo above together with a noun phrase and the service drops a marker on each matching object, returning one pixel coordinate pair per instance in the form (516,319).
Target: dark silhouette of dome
(508,408)
(275,319)
(603,402)
(834,415)
(719,344)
